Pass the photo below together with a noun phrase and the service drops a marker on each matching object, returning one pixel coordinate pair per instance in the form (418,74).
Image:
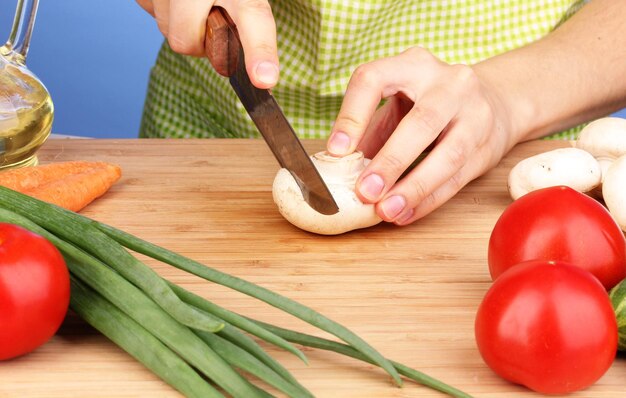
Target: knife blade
(223,48)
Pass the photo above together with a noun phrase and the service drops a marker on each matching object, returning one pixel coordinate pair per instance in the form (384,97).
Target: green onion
(236,320)
(242,340)
(134,339)
(329,345)
(245,361)
(261,293)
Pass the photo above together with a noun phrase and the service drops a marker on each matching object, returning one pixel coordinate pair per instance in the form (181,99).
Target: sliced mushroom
(614,191)
(572,167)
(340,175)
(605,139)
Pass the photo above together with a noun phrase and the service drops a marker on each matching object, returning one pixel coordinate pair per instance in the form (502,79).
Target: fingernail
(406,217)
(372,186)
(393,205)
(267,73)
(339,143)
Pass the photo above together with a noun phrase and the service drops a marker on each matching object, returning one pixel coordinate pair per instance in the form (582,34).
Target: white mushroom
(572,167)
(614,191)
(340,176)
(605,139)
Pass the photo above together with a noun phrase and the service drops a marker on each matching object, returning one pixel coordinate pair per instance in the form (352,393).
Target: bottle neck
(17,45)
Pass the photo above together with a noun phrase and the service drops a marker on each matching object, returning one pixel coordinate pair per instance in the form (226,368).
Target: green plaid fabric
(321,42)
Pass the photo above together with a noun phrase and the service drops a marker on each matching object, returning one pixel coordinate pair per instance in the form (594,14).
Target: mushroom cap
(340,175)
(614,191)
(605,139)
(572,167)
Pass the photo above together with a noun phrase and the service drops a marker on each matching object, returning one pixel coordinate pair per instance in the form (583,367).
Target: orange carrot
(32,177)
(72,185)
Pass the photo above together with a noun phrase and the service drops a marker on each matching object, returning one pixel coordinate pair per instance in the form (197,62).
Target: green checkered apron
(321,42)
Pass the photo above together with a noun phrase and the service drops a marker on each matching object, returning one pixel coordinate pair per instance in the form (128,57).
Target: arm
(575,74)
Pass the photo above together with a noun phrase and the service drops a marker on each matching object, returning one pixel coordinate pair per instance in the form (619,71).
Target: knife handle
(221,43)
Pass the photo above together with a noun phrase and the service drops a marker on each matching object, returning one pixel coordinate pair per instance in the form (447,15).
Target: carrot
(72,185)
(31,177)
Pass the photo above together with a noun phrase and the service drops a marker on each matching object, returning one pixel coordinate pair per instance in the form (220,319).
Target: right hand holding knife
(184,23)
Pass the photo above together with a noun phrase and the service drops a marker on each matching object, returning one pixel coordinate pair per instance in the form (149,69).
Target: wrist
(515,111)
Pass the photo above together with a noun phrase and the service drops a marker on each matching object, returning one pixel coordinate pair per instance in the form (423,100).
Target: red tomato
(549,326)
(559,223)
(34,290)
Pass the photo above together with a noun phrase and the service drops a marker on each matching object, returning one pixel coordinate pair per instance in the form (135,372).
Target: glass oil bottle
(26,109)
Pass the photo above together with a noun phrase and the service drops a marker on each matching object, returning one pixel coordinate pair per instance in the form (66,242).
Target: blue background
(94,57)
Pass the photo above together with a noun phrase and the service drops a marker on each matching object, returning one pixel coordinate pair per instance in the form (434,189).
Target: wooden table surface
(412,292)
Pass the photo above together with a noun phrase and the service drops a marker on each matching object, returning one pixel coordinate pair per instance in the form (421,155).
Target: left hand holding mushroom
(429,102)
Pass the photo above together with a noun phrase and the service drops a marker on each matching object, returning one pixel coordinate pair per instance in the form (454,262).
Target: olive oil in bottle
(26,114)
(26,110)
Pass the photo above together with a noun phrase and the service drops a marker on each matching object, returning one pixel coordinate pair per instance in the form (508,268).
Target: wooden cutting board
(412,292)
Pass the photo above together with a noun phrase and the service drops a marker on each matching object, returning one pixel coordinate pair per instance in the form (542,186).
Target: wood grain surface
(412,292)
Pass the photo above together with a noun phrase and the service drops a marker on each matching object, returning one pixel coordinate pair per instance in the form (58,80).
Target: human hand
(449,108)
(183,23)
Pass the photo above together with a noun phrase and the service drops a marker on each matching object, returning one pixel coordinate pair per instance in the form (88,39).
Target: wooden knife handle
(221,43)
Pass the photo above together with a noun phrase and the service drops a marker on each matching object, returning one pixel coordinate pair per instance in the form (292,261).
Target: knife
(223,48)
